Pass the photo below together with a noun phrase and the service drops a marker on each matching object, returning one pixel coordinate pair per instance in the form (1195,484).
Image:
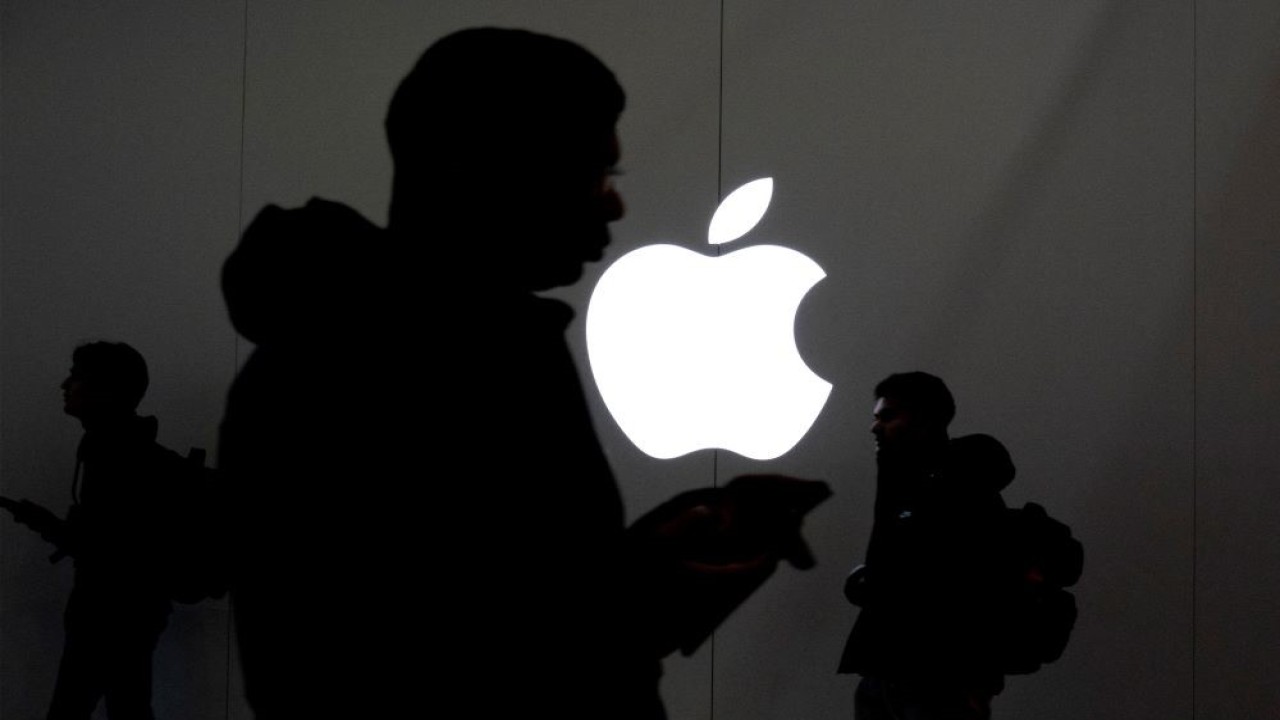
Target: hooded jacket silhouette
(116,532)
(423,507)
(932,584)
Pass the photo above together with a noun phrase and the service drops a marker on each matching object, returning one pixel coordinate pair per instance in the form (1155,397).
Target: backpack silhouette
(1043,560)
(195,560)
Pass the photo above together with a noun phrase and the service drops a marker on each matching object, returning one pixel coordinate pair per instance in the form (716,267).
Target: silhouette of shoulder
(980,463)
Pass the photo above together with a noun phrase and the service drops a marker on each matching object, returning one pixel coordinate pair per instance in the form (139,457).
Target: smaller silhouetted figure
(957,590)
(927,588)
(115,533)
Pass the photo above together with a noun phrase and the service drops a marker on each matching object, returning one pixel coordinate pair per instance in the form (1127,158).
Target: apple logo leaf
(740,211)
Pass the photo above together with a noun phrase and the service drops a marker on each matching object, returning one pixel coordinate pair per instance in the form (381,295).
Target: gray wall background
(1067,210)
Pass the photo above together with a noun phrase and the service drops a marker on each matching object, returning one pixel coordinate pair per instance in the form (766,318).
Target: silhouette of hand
(707,537)
(37,517)
(704,552)
(747,525)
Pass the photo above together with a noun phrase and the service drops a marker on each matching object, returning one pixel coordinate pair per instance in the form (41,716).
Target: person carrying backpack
(957,588)
(127,496)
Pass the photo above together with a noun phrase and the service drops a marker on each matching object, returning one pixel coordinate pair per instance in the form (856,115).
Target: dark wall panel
(121,131)
(1237,343)
(1000,194)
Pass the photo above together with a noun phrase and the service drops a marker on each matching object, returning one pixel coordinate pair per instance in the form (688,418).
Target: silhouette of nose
(612,205)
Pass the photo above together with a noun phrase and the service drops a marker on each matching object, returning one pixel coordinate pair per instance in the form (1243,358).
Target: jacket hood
(982,461)
(300,271)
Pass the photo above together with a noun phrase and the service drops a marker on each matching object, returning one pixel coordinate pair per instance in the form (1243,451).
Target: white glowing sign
(693,352)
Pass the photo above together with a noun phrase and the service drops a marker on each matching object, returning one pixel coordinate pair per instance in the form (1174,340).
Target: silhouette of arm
(40,519)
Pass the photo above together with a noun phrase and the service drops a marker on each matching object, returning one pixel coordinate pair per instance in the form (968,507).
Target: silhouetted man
(119,604)
(930,591)
(428,520)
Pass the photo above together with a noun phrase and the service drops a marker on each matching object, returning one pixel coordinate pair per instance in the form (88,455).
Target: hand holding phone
(37,517)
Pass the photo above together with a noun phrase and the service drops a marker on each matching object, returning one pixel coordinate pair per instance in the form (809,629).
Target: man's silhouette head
(107,380)
(911,414)
(503,143)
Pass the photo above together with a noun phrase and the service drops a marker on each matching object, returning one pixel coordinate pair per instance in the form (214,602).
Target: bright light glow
(740,211)
(693,352)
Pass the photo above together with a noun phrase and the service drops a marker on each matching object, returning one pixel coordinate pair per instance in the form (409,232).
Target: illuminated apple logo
(692,352)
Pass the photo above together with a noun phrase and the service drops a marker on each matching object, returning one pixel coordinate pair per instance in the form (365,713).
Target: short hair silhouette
(925,395)
(115,368)
(481,99)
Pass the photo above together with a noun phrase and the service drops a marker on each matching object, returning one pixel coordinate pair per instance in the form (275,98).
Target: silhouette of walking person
(957,590)
(119,604)
(924,641)
(426,518)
